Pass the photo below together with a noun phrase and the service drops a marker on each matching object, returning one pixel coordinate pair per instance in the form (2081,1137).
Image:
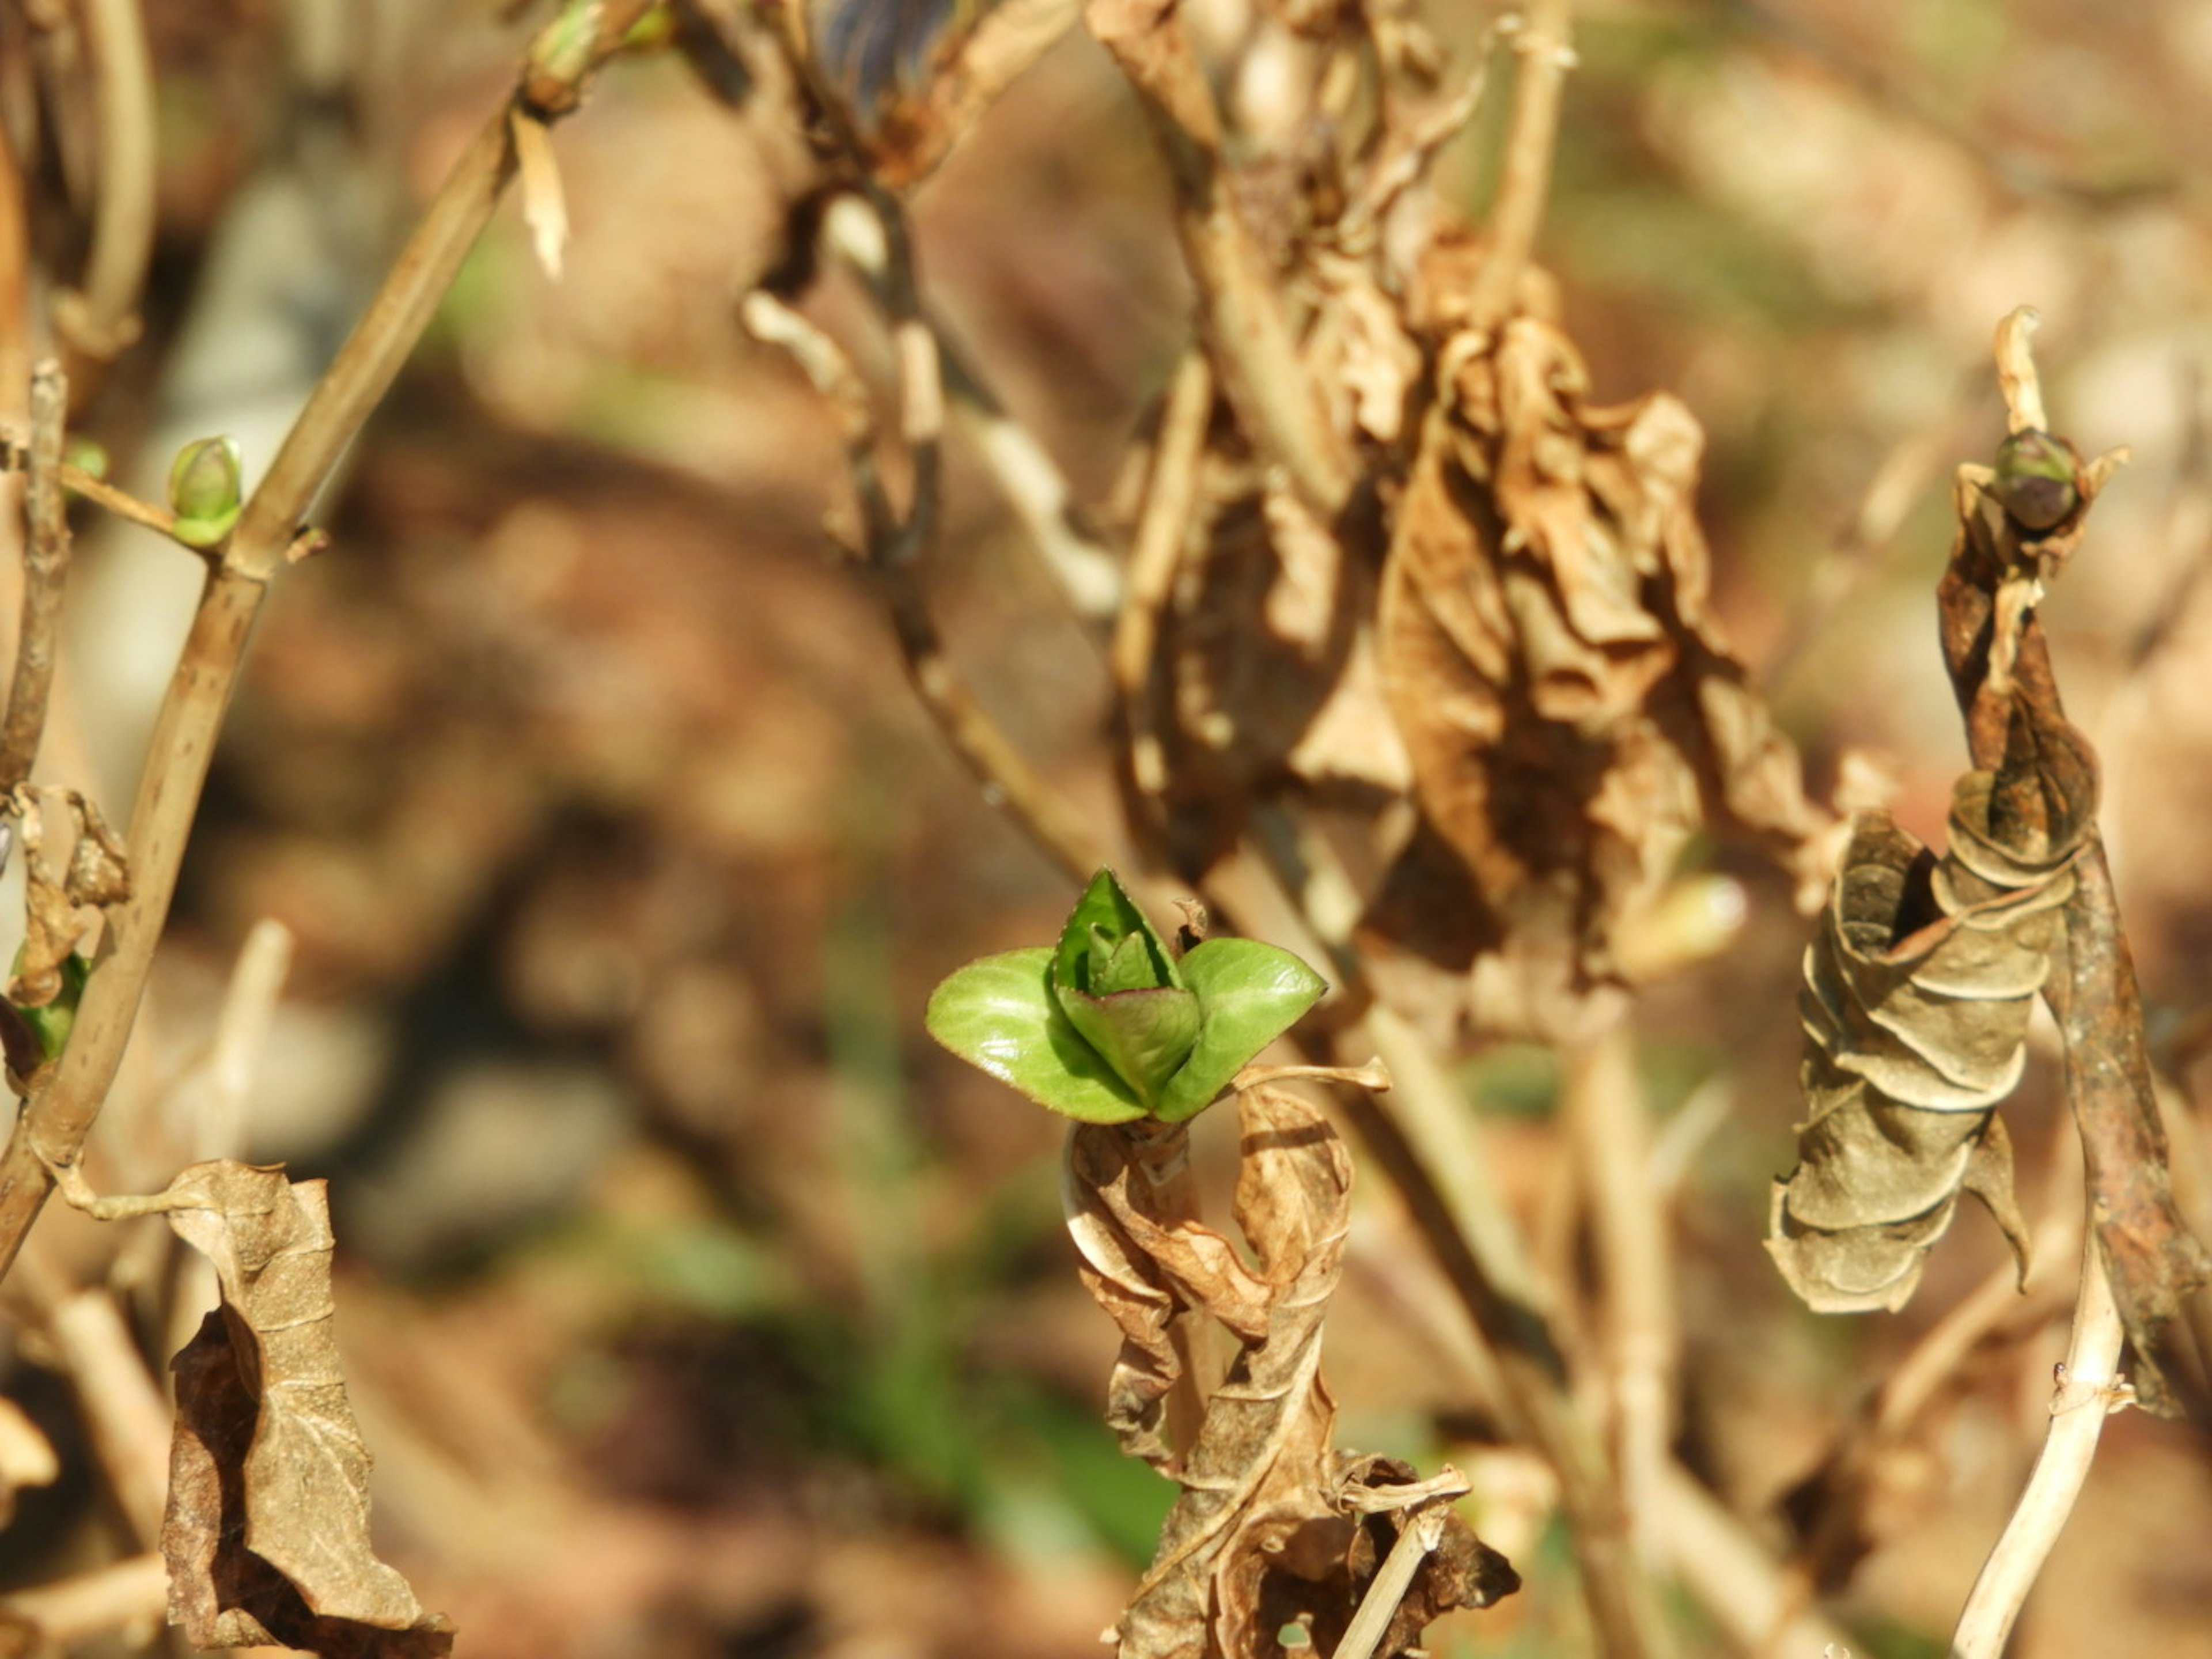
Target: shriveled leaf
(1916,1003)
(1571,711)
(1274,1526)
(267,1533)
(1000,1015)
(1251,993)
(1149,1268)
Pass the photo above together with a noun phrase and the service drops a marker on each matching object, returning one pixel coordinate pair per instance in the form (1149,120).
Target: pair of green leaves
(1107,1026)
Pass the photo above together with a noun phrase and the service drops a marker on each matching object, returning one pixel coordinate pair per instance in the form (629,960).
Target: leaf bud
(205,491)
(2035,479)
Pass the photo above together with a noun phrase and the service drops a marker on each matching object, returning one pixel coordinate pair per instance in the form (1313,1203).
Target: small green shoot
(1109,1026)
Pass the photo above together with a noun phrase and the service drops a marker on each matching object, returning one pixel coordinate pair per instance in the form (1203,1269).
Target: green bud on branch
(2035,479)
(206,490)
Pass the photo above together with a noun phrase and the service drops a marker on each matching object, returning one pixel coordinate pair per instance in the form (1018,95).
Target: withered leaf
(1916,1003)
(1569,709)
(267,1533)
(1266,1532)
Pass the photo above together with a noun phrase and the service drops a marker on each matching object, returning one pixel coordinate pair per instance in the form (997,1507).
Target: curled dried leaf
(1274,1527)
(1918,993)
(55,925)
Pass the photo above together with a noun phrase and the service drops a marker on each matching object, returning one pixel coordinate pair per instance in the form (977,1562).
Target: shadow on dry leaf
(267,1533)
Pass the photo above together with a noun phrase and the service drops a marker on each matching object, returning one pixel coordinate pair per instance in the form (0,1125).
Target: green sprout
(205,486)
(1110,1025)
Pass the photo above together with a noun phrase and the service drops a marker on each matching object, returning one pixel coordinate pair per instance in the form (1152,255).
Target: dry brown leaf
(1269,1530)
(267,1533)
(1918,993)
(1571,711)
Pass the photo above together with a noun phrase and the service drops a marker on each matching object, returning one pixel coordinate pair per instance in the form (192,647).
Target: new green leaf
(1000,1015)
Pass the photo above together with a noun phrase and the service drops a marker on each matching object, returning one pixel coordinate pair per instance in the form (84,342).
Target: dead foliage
(1918,992)
(1499,651)
(1275,1526)
(267,1531)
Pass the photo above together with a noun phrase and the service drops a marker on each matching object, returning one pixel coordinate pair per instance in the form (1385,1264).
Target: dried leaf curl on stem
(51,1128)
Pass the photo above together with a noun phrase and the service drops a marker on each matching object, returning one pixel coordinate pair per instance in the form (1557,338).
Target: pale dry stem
(1241,305)
(1416,1542)
(1609,1131)
(125,1412)
(1008,781)
(1087,575)
(1163,527)
(46,565)
(2088,1389)
(1544,43)
(130,1597)
(100,321)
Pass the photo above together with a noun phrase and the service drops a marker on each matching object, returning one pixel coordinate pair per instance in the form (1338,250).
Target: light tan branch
(2089,1387)
(101,320)
(1545,47)
(45,562)
(1241,310)
(1009,782)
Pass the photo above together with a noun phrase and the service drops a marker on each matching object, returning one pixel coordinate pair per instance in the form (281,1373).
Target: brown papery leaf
(1269,1530)
(267,1533)
(1918,993)
(1569,708)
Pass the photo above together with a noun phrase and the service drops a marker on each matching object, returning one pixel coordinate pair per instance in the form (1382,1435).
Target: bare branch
(1544,45)
(101,320)
(2088,1389)
(46,564)
(1240,304)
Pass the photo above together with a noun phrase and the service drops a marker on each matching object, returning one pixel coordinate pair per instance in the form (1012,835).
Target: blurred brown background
(693,1303)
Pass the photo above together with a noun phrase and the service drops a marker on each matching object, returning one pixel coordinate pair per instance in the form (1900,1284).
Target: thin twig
(1544,44)
(46,564)
(1417,1540)
(2088,1389)
(121,502)
(917,135)
(101,320)
(51,1128)
(1163,528)
(124,1410)
(1087,574)
(1008,781)
(1241,310)
(1603,1102)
